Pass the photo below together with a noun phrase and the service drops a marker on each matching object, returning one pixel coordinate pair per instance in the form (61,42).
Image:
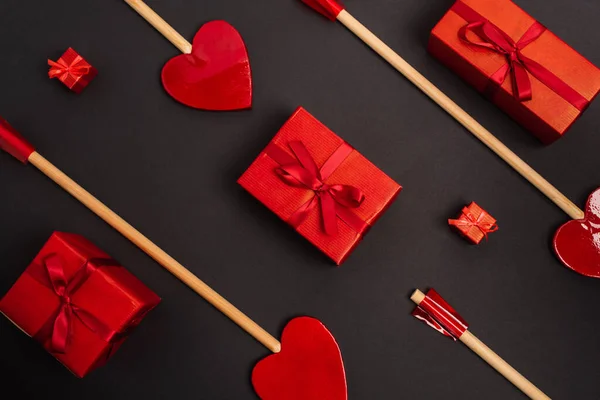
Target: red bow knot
(306,174)
(469,220)
(518,65)
(59,327)
(63,70)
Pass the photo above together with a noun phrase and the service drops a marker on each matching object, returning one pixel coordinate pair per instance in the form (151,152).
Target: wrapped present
(518,63)
(72,70)
(320,185)
(474,223)
(77,302)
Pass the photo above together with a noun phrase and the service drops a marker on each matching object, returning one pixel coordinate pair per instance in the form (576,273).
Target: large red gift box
(77,302)
(320,185)
(524,68)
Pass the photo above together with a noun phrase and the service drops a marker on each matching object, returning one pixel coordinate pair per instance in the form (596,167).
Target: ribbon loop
(304,173)
(59,327)
(63,70)
(498,41)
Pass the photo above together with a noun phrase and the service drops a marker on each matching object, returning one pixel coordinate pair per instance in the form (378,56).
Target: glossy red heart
(577,243)
(309,366)
(216,75)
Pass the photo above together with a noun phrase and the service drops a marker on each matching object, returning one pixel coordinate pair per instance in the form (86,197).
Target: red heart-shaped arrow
(577,243)
(215,75)
(309,366)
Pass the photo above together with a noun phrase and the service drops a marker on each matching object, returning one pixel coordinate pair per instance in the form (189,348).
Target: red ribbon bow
(518,65)
(74,70)
(468,219)
(59,326)
(335,200)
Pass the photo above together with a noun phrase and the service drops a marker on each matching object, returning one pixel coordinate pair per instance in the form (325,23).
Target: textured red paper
(216,75)
(474,233)
(76,81)
(547,115)
(284,200)
(577,243)
(309,366)
(111,294)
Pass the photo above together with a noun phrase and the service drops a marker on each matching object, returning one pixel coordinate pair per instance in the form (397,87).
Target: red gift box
(77,302)
(72,70)
(320,185)
(474,223)
(520,65)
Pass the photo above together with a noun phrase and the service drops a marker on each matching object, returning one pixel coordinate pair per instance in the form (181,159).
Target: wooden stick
(460,115)
(155,252)
(161,25)
(493,359)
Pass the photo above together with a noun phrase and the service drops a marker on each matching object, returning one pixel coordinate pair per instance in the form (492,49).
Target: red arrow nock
(13,143)
(329,8)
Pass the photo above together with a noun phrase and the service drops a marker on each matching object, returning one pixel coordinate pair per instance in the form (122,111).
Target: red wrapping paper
(263,180)
(72,70)
(474,223)
(557,93)
(110,300)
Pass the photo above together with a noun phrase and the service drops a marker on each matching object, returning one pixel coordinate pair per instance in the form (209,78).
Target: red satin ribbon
(518,66)
(62,70)
(471,221)
(59,326)
(335,200)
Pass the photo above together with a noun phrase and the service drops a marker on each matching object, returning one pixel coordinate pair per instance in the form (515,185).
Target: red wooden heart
(309,366)
(577,243)
(216,75)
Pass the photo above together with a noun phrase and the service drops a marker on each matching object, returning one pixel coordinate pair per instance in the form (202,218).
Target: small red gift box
(77,302)
(474,223)
(520,65)
(320,185)
(72,70)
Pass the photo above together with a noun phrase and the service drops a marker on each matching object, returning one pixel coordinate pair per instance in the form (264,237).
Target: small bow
(469,220)
(518,65)
(306,174)
(63,70)
(60,327)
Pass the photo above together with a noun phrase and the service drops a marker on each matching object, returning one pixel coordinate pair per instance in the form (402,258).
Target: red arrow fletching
(13,143)
(329,8)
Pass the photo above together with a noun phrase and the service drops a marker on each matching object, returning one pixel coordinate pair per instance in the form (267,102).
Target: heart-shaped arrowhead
(13,143)
(216,75)
(309,366)
(577,243)
(329,8)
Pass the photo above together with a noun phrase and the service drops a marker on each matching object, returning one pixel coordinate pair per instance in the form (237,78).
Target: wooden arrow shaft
(504,368)
(493,359)
(161,25)
(460,115)
(155,252)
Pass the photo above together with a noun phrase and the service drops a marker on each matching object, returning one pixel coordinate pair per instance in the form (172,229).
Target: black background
(171,171)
